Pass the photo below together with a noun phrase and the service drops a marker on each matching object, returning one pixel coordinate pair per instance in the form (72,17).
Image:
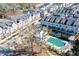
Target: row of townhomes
(8,26)
(14,23)
(65,20)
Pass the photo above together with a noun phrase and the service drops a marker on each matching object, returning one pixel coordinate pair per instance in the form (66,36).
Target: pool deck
(64,49)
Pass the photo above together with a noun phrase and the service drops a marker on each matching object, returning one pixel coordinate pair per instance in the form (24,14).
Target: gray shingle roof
(63,21)
(3,25)
(58,19)
(9,23)
(76,23)
(52,19)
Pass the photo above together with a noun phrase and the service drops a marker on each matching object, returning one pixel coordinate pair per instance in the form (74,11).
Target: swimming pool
(55,41)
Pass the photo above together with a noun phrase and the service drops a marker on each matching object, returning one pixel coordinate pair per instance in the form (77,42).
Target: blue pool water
(56,42)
